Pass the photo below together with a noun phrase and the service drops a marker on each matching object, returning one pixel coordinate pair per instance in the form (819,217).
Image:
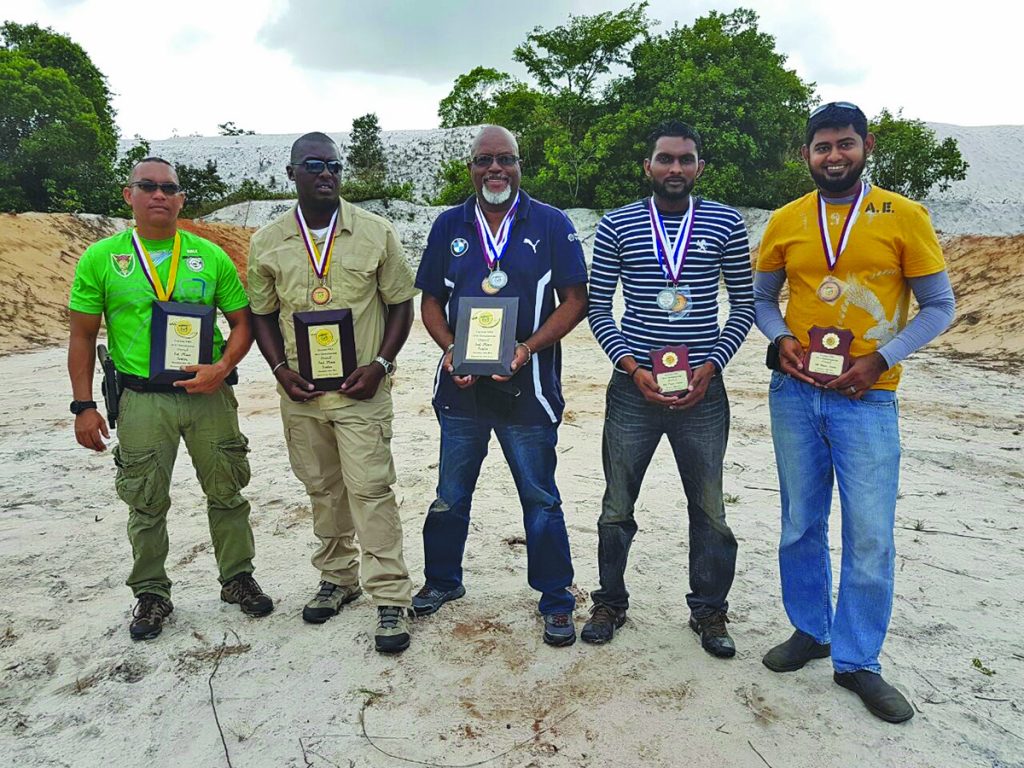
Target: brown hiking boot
(148,616)
(714,637)
(243,590)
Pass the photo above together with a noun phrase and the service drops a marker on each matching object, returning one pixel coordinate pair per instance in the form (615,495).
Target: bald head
(309,141)
(491,132)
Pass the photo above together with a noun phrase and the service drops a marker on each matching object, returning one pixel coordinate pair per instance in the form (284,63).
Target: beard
(675,193)
(496,198)
(834,186)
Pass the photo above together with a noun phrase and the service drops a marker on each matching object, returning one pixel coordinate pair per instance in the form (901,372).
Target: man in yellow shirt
(852,254)
(327,254)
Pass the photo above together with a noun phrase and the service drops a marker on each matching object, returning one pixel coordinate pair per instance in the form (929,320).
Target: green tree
(909,160)
(230,129)
(58,142)
(473,97)
(366,161)
(202,186)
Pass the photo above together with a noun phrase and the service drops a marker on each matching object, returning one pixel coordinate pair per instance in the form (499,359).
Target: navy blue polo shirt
(544,254)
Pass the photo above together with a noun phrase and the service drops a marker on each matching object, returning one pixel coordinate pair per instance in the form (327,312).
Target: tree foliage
(202,186)
(366,160)
(230,129)
(909,160)
(473,97)
(58,142)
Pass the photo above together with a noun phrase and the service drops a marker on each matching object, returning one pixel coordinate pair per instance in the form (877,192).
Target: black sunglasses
(840,104)
(317,166)
(169,188)
(484,161)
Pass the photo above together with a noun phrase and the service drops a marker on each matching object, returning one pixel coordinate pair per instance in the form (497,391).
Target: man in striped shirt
(669,251)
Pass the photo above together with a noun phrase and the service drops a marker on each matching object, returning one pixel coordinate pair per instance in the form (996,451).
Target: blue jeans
(633,428)
(820,435)
(530,453)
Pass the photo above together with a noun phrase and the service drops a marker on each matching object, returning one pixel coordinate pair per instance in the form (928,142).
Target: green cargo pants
(149,431)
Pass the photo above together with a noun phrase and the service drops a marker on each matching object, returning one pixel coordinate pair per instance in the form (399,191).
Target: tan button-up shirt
(368,272)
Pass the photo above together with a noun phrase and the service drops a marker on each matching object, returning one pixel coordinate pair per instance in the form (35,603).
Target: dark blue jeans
(530,453)
(698,436)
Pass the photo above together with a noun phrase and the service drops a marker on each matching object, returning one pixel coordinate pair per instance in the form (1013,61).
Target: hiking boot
(148,616)
(714,637)
(242,590)
(795,652)
(559,629)
(328,600)
(881,699)
(604,620)
(428,599)
(392,633)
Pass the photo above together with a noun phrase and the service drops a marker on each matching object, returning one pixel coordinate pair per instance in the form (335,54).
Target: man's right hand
(791,359)
(462,382)
(297,388)
(89,426)
(644,381)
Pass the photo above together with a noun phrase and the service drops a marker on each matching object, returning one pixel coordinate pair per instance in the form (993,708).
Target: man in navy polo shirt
(501,242)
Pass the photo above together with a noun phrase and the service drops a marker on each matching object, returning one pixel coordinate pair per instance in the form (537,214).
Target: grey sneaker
(148,616)
(328,600)
(392,633)
(428,599)
(559,629)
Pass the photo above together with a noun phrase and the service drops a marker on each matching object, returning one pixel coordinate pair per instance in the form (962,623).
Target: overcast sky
(288,66)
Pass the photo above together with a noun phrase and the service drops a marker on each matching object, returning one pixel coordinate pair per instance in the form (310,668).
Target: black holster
(111,385)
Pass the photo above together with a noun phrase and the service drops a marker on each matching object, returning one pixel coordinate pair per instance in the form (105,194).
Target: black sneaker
(604,620)
(428,599)
(243,590)
(714,637)
(148,616)
(881,699)
(392,633)
(795,652)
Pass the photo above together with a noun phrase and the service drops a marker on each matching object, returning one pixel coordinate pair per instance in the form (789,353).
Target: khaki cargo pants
(149,431)
(343,457)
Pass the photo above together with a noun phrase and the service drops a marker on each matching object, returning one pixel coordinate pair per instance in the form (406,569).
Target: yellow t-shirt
(891,240)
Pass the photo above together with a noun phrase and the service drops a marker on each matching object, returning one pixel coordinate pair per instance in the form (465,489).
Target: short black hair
(836,114)
(673,128)
(151,159)
(316,137)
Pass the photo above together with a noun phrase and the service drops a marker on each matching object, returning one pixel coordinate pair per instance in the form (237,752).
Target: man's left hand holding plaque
(182,336)
(326,347)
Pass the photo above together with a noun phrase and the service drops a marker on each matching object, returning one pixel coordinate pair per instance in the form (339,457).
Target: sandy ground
(478,687)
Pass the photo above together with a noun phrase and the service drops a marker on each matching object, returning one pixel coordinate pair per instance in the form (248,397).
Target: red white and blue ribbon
(671,255)
(832,255)
(494,246)
(321,261)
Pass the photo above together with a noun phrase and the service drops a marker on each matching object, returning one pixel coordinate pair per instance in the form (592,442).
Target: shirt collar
(345,216)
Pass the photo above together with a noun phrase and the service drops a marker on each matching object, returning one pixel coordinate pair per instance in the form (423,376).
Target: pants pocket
(232,472)
(135,482)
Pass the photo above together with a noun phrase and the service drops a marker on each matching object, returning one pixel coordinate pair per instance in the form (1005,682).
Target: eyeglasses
(317,166)
(485,161)
(169,188)
(839,104)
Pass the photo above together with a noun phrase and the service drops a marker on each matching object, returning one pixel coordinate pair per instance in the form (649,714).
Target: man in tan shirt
(326,254)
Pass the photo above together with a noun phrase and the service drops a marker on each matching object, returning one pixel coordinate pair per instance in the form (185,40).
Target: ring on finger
(852,390)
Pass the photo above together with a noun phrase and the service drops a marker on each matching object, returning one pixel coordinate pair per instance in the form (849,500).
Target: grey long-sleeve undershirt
(933,292)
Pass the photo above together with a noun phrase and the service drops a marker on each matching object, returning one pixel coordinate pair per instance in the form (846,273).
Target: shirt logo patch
(195,263)
(532,244)
(124,263)
(573,237)
(702,246)
(459,246)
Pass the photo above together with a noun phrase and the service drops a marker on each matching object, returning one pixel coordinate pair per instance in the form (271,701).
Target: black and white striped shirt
(624,249)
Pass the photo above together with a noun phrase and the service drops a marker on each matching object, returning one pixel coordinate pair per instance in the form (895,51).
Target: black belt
(139,384)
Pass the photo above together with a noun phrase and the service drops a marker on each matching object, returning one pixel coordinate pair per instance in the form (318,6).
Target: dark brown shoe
(881,699)
(600,629)
(243,590)
(148,616)
(714,637)
(795,652)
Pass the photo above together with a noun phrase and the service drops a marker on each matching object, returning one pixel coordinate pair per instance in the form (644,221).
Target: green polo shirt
(110,281)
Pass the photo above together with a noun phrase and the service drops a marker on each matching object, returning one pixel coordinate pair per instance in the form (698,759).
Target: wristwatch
(79,406)
(389,367)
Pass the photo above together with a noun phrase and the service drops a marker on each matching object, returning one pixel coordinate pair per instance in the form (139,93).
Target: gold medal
(680,303)
(489,289)
(320,295)
(830,290)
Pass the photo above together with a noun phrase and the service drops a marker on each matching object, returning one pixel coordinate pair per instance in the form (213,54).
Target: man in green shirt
(119,279)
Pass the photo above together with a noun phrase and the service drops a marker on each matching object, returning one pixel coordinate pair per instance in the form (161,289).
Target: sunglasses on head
(317,166)
(485,161)
(149,187)
(839,104)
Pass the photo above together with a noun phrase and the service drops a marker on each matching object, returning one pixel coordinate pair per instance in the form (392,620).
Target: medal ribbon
(671,256)
(321,262)
(149,268)
(494,247)
(832,256)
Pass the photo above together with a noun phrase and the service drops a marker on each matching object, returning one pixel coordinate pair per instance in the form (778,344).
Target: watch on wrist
(389,367)
(80,406)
